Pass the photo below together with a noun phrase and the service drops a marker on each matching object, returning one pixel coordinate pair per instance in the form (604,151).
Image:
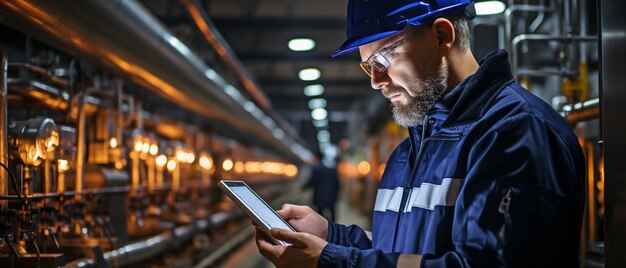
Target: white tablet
(260,212)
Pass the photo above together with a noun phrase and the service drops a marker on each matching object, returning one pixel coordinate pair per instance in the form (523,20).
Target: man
(325,184)
(489,176)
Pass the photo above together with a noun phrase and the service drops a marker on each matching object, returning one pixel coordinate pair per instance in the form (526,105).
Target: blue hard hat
(371,20)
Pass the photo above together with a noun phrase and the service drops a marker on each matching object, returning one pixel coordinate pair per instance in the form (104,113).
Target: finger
(294,238)
(286,211)
(261,238)
(266,246)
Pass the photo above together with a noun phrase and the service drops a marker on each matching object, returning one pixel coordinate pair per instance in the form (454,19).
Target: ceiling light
(309,74)
(313,90)
(317,103)
(301,44)
(319,114)
(323,136)
(320,123)
(278,133)
(489,8)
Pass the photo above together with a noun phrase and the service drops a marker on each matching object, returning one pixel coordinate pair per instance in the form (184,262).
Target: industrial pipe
(542,37)
(80,140)
(99,31)
(215,39)
(508,18)
(155,245)
(581,111)
(43,72)
(4,147)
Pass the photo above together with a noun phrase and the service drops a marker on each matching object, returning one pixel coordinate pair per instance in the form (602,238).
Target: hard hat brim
(353,44)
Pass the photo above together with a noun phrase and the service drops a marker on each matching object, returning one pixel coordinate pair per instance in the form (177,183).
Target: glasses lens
(379,62)
(367,68)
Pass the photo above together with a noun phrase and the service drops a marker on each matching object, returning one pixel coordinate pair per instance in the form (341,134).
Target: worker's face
(416,75)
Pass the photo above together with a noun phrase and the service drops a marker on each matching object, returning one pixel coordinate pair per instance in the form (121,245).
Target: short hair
(461,31)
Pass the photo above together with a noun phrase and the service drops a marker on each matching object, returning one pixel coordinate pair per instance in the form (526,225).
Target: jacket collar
(469,100)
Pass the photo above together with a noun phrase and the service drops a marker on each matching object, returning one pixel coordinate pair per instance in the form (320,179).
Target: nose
(379,79)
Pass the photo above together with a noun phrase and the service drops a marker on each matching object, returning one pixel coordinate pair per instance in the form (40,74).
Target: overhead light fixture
(317,103)
(320,123)
(313,90)
(301,44)
(278,133)
(323,136)
(319,114)
(489,8)
(309,74)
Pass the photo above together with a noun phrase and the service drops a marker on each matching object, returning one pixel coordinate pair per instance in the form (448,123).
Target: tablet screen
(265,213)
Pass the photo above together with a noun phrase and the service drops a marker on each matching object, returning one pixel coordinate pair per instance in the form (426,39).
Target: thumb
(294,238)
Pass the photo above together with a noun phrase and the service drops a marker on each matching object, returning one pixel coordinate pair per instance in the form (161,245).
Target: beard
(427,91)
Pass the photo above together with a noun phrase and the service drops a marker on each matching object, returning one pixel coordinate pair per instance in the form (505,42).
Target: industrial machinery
(114,134)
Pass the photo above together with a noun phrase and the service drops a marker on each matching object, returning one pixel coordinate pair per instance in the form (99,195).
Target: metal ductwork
(124,37)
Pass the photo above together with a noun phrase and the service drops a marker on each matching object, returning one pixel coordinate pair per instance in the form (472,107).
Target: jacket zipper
(407,188)
(503,208)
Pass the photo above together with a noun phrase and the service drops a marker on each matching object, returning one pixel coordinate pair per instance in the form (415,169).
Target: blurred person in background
(324,181)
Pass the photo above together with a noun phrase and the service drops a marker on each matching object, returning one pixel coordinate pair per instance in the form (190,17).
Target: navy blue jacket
(494,177)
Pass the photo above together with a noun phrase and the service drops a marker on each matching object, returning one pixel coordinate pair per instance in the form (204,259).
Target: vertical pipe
(47,181)
(80,147)
(150,165)
(591,195)
(159,177)
(134,175)
(571,16)
(119,119)
(4,152)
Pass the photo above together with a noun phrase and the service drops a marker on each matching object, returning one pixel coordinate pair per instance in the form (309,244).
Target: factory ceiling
(258,32)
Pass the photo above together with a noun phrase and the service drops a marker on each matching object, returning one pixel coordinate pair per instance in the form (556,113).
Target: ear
(444,30)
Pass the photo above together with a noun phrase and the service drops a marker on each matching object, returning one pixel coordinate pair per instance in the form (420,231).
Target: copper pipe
(215,39)
(4,153)
(80,140)
(51,97)
(41,71)
(582,111)
(153,58)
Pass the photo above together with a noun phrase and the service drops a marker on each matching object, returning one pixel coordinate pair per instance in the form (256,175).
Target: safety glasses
(380,61)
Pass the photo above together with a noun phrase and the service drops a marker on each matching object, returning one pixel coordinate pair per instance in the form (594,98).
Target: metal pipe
(4,147)
(213,36)
(50,96)
(155,245)
(542,37)
(80,140)
(41,71)
(581,111)
(536,24)
(85,30)
(508,18)
(119,118)
(571,20)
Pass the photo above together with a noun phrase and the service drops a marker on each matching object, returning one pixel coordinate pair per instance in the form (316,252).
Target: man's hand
(305,219)
(305,249)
